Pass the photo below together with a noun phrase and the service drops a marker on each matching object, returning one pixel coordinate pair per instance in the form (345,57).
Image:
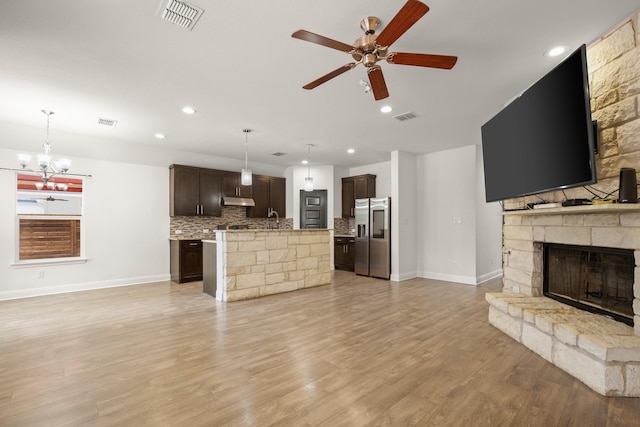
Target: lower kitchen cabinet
(186,260)
(344,253)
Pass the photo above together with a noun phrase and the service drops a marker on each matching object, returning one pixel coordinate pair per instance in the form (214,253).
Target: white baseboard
(488,276)
(404,276)
(76,287)
(467,280)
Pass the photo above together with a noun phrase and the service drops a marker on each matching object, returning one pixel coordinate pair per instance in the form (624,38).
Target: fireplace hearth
(595,279)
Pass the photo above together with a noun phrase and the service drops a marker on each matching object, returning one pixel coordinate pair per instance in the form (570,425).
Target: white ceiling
(240,68)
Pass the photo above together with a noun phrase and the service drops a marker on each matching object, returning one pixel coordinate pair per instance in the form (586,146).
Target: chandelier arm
(37,172)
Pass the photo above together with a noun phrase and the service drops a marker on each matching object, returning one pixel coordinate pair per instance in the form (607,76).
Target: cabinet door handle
(193,244)
(201,209)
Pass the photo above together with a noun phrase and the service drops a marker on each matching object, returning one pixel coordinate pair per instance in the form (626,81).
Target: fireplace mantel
(602,208)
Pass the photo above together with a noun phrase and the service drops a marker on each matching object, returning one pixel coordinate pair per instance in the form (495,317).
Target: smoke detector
(181,13)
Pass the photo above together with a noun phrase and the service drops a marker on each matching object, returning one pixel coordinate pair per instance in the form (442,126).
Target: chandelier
(47,165)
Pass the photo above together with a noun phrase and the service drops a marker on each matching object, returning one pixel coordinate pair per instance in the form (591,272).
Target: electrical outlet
(457,220)
(178,231)
(205,231)
(516,289)
(40,274)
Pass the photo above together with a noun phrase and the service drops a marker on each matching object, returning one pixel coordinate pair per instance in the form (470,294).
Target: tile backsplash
(344,226)
(194,226)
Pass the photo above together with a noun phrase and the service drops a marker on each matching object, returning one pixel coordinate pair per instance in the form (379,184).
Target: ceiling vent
(405,116)
(278,154)
(107,122)
(181,13)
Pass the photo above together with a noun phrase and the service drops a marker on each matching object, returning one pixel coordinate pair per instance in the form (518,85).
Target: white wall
(488,229)
(126,230)
(446,226)
(403,216)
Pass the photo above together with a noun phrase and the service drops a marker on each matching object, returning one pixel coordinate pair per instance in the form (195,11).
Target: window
(49,218)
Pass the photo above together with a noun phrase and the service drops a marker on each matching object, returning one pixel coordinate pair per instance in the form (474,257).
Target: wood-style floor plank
(357,352)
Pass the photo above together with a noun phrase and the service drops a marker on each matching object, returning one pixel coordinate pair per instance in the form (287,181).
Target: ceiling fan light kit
(369,49)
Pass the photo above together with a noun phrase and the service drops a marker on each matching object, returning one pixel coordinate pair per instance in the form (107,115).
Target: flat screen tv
(544,139)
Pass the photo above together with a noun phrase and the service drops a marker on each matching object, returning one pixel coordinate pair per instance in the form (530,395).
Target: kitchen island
(255,263)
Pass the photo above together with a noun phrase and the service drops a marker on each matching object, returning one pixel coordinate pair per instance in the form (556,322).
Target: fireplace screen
(595,279)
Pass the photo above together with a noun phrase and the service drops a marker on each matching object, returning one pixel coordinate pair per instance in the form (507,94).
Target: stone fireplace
(599,351)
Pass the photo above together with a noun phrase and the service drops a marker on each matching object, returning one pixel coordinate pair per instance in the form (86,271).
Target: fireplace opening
(595,279)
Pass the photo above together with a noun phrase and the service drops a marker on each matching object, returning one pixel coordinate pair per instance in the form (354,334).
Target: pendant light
(308,181)
(246,174)
(47,165)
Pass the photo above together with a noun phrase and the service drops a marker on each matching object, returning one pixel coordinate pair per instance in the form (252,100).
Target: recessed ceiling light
(304,162)
(386,109)
(188,110)
(160,135)
(556,51)
(351,151)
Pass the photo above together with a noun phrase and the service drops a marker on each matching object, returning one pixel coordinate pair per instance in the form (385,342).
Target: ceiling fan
(50,199)
(371,48)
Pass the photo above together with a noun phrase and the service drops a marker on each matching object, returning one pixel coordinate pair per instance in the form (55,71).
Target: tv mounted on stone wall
(544,140)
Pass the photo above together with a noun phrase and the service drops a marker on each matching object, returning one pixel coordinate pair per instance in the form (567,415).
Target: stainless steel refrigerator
(373,237)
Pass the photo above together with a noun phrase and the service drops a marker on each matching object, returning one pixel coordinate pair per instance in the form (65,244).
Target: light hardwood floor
(358,352)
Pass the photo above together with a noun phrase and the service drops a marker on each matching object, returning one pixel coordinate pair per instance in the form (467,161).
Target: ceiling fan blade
(321,40)
(422,60)
(329,76)
(378,84)
(410,13)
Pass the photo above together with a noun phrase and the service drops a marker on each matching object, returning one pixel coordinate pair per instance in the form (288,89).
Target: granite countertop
(212,235)
(252,230)
(183,237)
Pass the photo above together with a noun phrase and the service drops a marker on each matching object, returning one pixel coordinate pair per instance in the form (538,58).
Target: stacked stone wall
(259,263)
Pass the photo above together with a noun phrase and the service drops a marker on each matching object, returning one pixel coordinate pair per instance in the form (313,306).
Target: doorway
(313,209)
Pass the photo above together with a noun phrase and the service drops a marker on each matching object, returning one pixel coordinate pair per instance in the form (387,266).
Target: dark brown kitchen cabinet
(269,193)
(356,187)
(185,260)
(194,191)
(344,253)
(232,186)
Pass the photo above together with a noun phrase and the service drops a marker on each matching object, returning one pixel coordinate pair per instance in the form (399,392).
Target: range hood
(237,201)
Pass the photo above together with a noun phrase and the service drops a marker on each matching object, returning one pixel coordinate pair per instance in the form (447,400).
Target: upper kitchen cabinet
(269,193)
(194,191)
(232,186)
(356,187)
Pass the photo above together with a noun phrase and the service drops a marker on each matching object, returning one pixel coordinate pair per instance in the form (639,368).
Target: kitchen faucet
(271,213)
